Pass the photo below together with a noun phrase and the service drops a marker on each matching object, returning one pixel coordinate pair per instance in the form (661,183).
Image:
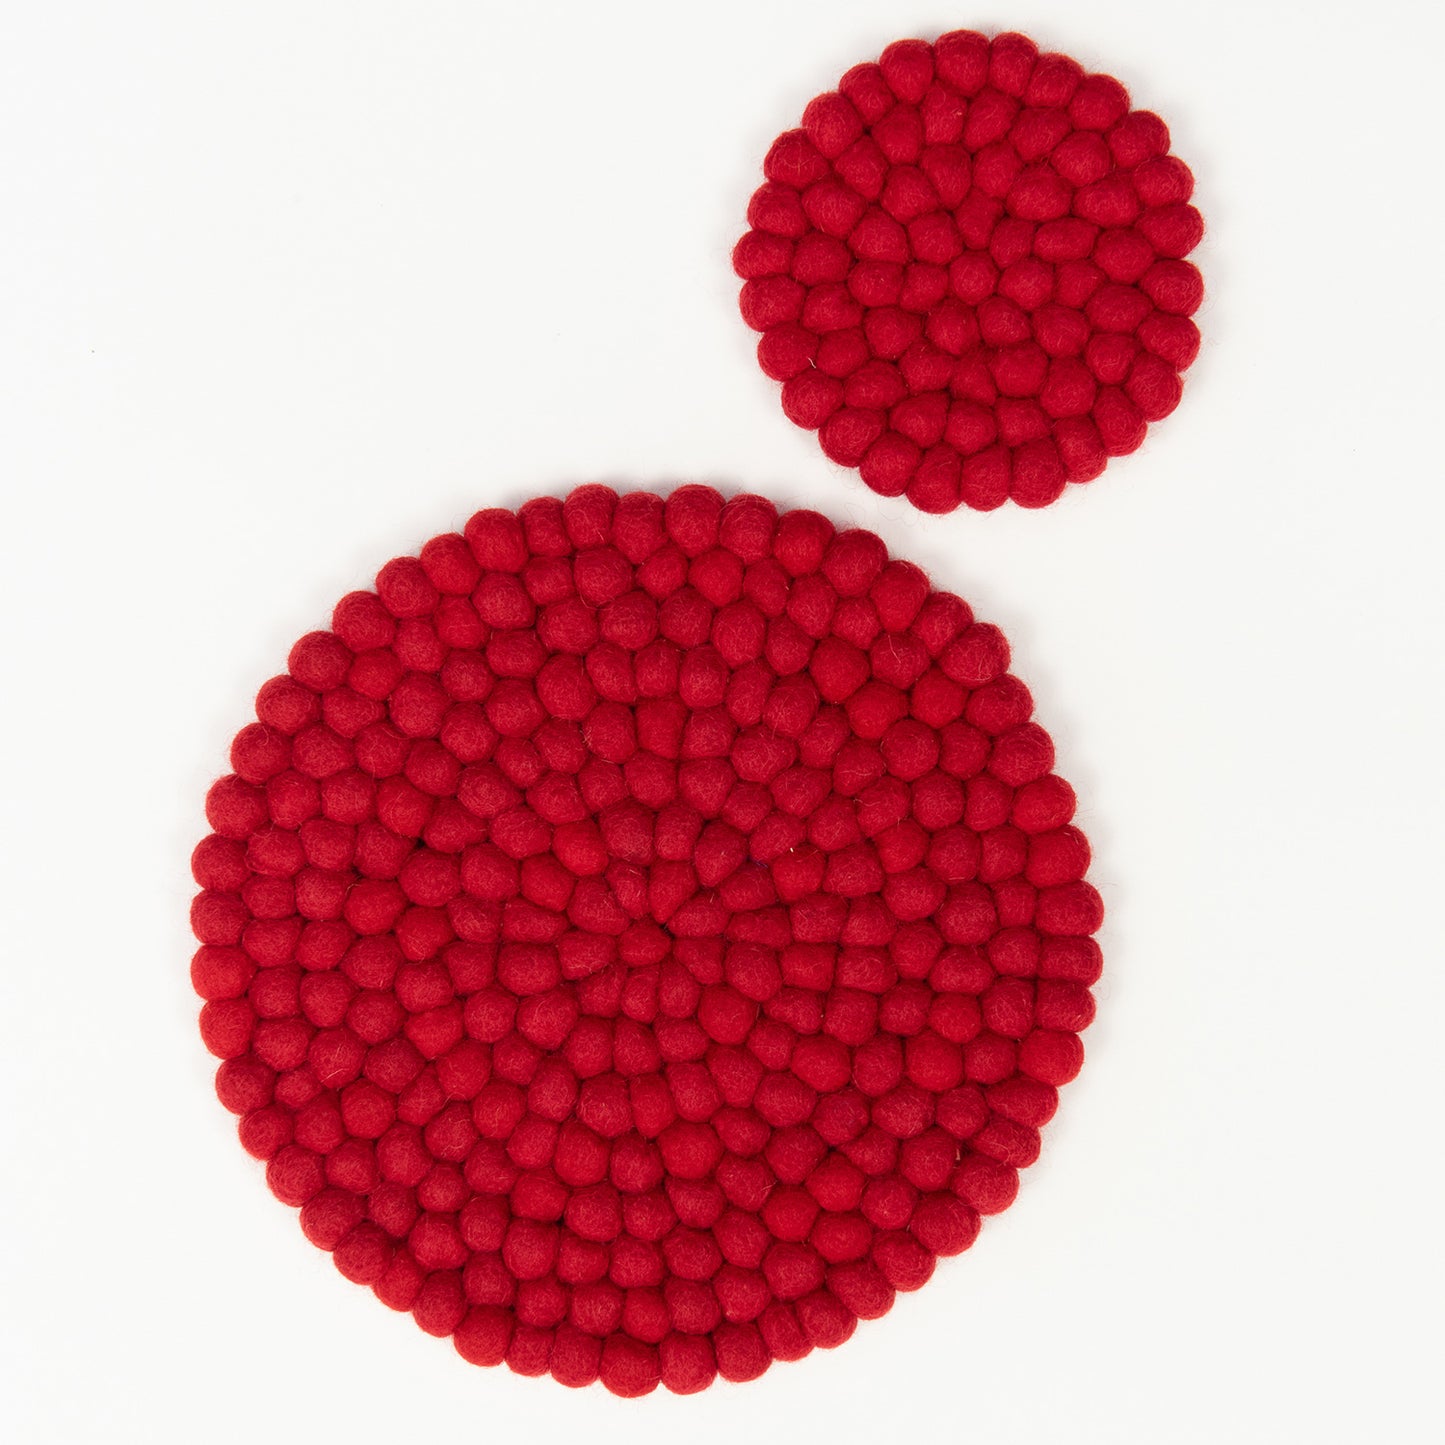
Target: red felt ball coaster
(968,269)
(642,935)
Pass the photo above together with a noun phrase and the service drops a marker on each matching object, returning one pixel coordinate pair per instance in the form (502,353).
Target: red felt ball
(647,933)
(943,225)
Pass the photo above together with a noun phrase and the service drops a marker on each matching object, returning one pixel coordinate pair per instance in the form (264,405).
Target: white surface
(289,288)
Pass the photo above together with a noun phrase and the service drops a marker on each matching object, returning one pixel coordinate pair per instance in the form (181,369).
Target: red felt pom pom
(943,225)
(648,933)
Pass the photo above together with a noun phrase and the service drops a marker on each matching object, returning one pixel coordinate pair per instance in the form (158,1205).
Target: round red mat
(643,934)
(967,266)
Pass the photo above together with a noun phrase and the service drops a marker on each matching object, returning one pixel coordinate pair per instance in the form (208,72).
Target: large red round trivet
(644,934)
(968,269)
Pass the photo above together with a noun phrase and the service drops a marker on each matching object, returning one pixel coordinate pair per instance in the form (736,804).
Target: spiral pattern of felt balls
(968,268)
(644,934)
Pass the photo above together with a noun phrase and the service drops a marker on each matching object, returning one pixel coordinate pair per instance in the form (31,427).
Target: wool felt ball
(642,935)
(968,265)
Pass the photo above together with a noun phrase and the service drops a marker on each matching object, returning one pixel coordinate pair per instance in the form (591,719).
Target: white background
(287,288)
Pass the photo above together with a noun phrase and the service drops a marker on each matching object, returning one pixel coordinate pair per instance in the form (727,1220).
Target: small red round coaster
(968,269)
(643,934)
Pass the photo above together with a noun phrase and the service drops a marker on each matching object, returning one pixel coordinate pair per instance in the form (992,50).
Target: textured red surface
(968,269)
(642,936)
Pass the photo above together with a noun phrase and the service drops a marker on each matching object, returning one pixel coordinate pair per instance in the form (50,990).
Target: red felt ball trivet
(643,934)
(968,269)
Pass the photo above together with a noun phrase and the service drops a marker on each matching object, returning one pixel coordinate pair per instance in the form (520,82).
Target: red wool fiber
(968,269)
(644,934)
